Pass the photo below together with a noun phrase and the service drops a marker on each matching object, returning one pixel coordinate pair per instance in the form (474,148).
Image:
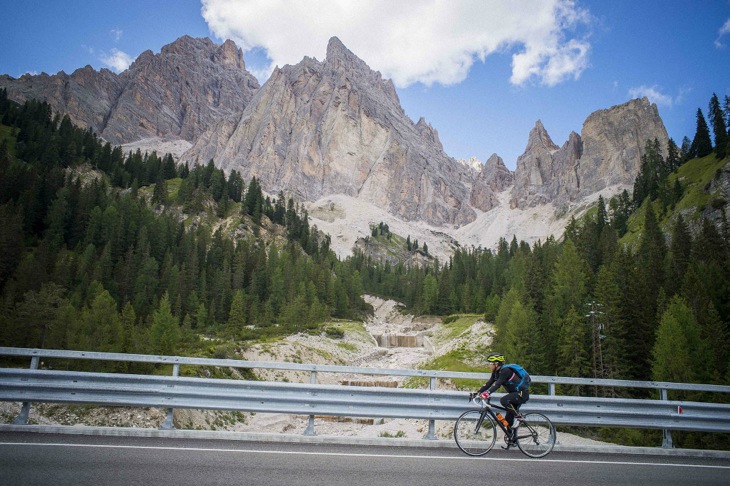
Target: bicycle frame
(535,434)
(487,409)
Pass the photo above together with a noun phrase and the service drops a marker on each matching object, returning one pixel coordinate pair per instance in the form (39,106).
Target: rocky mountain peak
(343,61)
(229,54)
(606,154)
(496,174)
(473,163)
(427,131)
(336,127)
(174,95)
(539,139)
(337,52)
(142,60)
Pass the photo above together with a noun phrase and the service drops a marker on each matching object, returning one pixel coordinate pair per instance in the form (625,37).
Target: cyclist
(517,389)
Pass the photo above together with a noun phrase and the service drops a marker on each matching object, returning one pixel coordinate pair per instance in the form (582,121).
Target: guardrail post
(22,418)
(431,435)
(666,434)
(168,424)
(310,427)
(551,389)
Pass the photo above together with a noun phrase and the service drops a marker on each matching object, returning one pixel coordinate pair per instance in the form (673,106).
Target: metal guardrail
(116,389)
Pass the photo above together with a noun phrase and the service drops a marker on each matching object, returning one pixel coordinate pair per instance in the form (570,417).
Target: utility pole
(593,315)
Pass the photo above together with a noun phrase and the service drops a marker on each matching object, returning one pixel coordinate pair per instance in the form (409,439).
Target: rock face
(334,127)
(607,153)
(176,94)
(337,127)
(492,178)
(614,141)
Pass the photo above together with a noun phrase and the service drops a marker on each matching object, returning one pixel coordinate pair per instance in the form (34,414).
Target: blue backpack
(521,380)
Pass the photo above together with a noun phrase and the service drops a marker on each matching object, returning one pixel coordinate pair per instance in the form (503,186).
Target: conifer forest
(129,252)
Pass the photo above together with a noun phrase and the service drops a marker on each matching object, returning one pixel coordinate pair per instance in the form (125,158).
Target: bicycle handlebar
(478,400)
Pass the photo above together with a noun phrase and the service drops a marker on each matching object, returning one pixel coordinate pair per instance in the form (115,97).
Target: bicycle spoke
(541,437)
(474,436)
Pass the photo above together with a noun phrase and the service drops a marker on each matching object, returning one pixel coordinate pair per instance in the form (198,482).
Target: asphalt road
(34,459)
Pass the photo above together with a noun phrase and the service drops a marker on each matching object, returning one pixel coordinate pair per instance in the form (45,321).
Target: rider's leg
(512,402)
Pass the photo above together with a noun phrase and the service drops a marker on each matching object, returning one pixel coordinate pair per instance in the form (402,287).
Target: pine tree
(701,145)
(673,156)
(572,351)
(104,324)
(678,352)
(237,314)
(652,249)
(165,329)
(567,289)
(612,324)
(520,342)
(719,129)
(679,253)
(507,304)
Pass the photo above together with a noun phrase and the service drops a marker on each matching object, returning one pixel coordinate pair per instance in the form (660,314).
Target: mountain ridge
(336,127)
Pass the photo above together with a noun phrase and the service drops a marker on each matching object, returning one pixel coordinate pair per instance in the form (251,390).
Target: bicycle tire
(471,441)
(536,435)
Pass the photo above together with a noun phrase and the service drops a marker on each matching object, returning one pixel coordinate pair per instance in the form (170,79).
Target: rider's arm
(487,384)
(494,383)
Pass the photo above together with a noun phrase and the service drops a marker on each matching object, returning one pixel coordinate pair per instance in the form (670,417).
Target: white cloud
(118,61)
(653,93)
(410,41)
(117,34)
(724,30)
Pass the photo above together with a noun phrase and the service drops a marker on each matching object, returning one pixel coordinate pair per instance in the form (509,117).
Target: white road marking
(366,456)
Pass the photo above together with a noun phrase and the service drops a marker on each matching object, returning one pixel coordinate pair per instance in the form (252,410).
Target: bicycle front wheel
(536,435)
(475,436)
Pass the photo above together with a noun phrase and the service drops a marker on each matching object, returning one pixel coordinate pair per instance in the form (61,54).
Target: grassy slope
(694,176)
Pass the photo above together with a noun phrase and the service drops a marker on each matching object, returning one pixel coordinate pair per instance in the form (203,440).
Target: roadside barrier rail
(170,392)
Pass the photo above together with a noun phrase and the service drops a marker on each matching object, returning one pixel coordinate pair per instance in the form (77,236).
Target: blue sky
(481,72)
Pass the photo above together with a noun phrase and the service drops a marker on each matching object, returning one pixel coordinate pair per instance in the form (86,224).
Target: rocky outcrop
(607,153)
(496,175)
(337,127)
(492,178)
(177,94)
(614,141)
(86,96)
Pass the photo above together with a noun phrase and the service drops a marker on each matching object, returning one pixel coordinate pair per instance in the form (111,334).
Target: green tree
(567,290)
(572,347)
(701,144)
(36,322)
(506,306)
(519,343)
(678,348)
(430,294)
(159,193)
(165,329)
(12,244)
(719,129)
(104,324)
(237,314)
(679,255)
(611,323)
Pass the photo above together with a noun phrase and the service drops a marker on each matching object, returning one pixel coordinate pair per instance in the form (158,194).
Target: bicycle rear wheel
(473,435)
(536,435)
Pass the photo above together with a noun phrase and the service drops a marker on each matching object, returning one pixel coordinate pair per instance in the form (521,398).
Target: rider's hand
(485,395)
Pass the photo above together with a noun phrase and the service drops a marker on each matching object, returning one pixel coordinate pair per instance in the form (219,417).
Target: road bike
(475,431)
